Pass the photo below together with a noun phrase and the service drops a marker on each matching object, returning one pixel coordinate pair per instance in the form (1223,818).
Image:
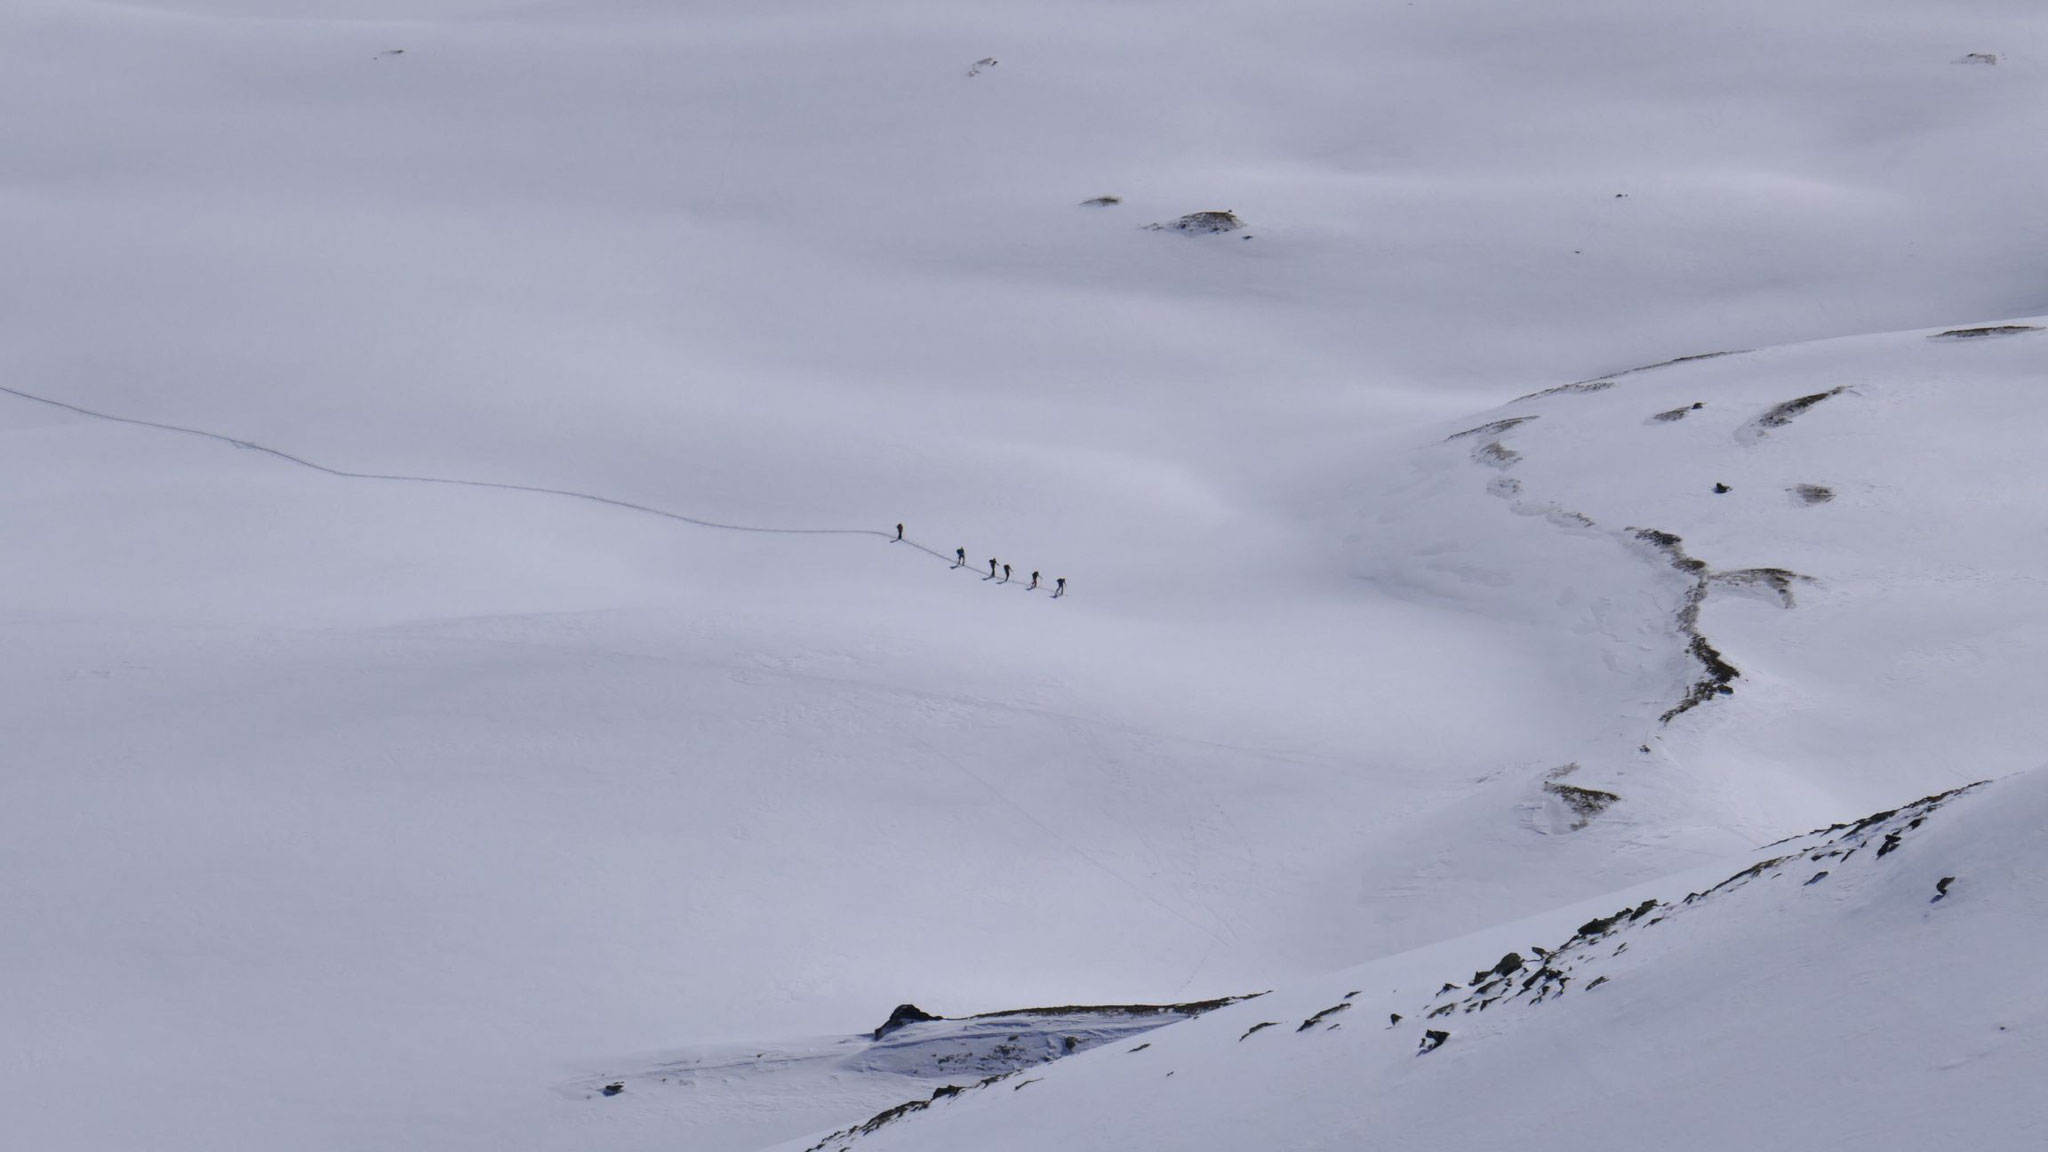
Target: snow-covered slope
(341,807)
(1872,985)
(1836,590)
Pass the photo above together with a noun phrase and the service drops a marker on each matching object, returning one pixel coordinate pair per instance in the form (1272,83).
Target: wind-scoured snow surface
(456,659)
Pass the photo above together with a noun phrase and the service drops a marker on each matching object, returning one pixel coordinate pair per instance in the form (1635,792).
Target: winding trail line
(592,497)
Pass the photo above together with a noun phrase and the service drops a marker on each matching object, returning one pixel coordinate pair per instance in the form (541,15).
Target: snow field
(349,813)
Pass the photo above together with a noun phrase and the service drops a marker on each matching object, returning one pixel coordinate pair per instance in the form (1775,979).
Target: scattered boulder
(1978,333)
(904,1014)
(614,1088)
(1583,803)
(1102,202)
(1433,1040)
(1319,1017)
(1779,415)
(1202,223)
(1941,888)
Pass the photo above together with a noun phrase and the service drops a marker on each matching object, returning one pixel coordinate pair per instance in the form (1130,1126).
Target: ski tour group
(1059,587)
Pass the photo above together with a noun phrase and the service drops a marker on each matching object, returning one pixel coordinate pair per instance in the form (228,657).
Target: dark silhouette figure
(960,555)
(1034,580)
(899,532)
(991,567)
(1059,588)
(1006,573)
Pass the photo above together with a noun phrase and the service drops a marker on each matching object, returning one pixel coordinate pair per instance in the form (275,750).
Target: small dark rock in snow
(1977,333)
(1252,1029)
(904,1014)
(615,1088)
(1433,1040)
(1818,877)
(1941,887)
(1393,1018)
(1325,1014)
(1218,220)
(1102,202)
(1720,488)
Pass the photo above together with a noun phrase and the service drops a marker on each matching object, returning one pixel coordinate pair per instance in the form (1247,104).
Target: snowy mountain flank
(560,559)
(1849,989)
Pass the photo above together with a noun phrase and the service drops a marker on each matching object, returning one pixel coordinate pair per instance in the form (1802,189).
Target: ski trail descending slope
(532,488)
(409,479)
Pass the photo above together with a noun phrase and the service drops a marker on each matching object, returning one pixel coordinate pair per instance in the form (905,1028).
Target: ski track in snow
(535,489)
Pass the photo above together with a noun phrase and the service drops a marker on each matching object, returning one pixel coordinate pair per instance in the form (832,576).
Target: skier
(1006,573)
(1034,582)
(899,533)
(960,557)
(1060,588)
(991,567)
